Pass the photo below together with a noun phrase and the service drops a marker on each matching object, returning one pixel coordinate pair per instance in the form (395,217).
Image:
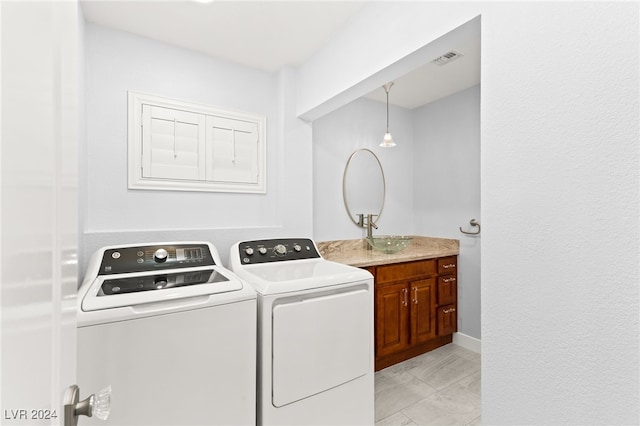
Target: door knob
(98,405)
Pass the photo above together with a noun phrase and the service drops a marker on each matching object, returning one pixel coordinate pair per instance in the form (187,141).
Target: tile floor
(441,387)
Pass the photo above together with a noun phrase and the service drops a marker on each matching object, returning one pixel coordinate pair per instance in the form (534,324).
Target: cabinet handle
(448,311)
(415,295)
(405,294)
(448,280)
(450,265)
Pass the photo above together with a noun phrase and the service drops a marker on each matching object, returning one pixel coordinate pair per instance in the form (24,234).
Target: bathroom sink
(389,243)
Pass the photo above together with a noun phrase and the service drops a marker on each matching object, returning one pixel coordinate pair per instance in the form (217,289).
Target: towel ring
(472,222)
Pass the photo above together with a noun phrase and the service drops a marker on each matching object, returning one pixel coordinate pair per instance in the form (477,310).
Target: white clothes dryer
(172,332)
(315,334)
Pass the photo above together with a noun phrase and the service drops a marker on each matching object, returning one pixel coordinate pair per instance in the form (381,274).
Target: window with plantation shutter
(175,145)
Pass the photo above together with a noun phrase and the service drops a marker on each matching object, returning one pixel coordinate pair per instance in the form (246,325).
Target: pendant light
(387,142)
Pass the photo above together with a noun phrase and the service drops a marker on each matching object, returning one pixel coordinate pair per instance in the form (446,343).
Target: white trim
(468,342)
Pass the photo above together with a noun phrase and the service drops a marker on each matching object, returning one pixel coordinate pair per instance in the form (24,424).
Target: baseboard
(467,342)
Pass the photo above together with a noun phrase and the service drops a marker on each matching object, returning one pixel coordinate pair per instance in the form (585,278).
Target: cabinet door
(423,310)
(447,320)
(392,318)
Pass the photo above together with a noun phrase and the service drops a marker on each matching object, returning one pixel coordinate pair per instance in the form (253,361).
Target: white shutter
(233,150)
(172,144)
(181,146)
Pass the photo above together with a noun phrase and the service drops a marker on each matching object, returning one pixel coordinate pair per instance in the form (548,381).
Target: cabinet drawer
(447,289)
(405,271)
(447,320)
(447,265)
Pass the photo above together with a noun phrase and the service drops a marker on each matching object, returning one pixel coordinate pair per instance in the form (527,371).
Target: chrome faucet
(370,224)
(367,223)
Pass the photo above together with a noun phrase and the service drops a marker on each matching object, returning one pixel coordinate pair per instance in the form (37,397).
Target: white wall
(361,124)
(446,188)
(559,191)
(118,62)
(560,201)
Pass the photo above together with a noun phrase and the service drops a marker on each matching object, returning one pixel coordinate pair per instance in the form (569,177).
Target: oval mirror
(363,185)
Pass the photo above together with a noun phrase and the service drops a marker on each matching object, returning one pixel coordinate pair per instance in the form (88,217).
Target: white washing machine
(172,332)
(315,334)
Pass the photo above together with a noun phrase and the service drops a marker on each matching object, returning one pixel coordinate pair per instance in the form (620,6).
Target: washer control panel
(154,258)
(277,250)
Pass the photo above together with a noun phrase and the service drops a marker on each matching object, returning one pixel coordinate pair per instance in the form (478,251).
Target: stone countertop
(357,252)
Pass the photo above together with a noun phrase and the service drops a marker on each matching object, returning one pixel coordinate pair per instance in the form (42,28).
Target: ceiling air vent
(447,57)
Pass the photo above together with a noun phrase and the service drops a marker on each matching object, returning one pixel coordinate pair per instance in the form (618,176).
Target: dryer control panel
(154,258)
(276,250)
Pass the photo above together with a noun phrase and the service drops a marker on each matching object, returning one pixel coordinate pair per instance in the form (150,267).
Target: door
(320,342)
(38,199)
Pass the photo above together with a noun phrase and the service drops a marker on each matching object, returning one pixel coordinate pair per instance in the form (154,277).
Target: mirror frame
(344,186)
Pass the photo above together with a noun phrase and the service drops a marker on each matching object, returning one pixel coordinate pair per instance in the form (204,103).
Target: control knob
(297,247)
(160,255)
(248,251)
(262,250)
(160,282)
(280,249)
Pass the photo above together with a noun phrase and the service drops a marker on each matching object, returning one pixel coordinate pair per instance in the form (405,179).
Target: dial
(160,255)
(160,282)
(262,250)
(280,249)
(248,251)
(297,247)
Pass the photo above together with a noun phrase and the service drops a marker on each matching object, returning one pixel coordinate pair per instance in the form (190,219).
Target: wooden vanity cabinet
(415,308)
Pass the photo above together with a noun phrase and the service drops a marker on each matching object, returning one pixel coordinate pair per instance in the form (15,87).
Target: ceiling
(434,81)
(268,35)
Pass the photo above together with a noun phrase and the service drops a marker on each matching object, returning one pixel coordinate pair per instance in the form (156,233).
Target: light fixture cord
(387,110)
(387,87)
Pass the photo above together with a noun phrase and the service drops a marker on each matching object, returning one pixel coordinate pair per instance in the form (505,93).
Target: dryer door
(320,342)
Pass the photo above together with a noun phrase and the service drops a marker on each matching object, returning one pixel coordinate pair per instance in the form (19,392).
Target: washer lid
(282,277)
(113,291)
